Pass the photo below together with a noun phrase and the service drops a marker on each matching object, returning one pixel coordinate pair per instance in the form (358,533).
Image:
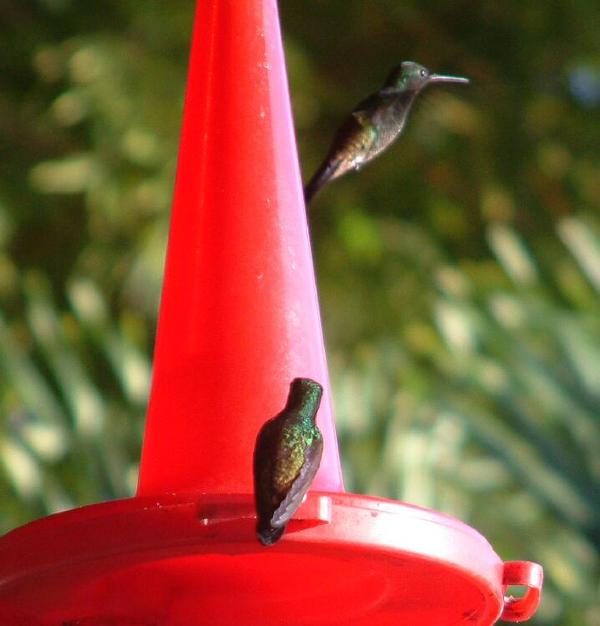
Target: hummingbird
(374,123)
(286,458)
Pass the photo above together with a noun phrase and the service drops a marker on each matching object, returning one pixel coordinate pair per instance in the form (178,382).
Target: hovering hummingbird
(374,123)
(286,458)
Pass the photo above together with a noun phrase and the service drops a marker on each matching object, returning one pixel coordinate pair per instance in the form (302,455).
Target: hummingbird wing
(352,145)
(361,141)
(264,461)
(289,505)
(358,139)
(375,114)
(346,153)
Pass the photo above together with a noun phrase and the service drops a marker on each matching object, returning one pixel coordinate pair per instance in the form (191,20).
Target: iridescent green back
(296,438)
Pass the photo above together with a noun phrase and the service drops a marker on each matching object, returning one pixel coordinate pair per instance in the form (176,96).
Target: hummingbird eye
(423,73)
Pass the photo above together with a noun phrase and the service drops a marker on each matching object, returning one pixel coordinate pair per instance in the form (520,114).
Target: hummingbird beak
(440,78)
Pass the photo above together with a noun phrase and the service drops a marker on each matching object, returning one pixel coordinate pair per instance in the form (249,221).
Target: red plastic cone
(239,316)
(239,320)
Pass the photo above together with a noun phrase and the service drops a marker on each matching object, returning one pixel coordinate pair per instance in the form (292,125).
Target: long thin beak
(440,78)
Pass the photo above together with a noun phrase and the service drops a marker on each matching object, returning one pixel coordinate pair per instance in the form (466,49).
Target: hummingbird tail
(320,178)
(268,535)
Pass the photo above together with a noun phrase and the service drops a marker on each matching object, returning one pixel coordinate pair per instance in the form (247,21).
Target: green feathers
(286,458)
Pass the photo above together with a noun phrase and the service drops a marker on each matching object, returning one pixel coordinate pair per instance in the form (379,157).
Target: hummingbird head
(303,392)
(410,76)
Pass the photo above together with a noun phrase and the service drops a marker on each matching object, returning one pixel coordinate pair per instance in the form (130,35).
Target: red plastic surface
(188,560)
(239,320)
(239,317)
(522,574)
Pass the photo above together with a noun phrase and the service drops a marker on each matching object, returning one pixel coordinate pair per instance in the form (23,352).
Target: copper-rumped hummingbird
(374,123)
(286,458)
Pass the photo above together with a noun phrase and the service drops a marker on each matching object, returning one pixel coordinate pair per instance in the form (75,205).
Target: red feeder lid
(239,320)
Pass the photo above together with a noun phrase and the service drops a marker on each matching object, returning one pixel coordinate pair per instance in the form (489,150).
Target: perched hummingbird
(374,123)
(286,458)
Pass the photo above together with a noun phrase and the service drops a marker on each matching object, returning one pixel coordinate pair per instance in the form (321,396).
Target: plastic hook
(526,574)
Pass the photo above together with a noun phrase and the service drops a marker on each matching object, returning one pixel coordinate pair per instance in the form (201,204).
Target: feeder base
(191,559)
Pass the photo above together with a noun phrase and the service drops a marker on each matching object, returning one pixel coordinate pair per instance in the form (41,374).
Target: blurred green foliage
(471,379)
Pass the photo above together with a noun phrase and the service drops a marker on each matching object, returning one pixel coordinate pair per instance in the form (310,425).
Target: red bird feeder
(239,320)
